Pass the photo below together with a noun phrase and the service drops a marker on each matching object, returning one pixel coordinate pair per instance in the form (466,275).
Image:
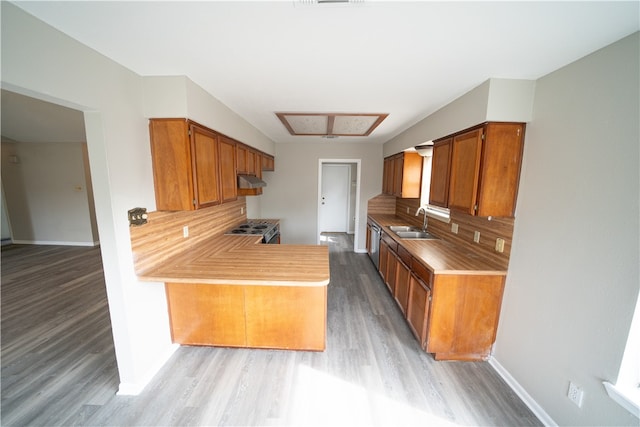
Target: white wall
(495,99)
(292,190)
(41,62)
(178,96)
(573,278)
(48,198)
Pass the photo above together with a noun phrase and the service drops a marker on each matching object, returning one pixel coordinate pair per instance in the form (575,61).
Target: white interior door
(334,198)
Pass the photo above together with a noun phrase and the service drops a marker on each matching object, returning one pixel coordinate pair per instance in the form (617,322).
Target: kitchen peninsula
(231,290)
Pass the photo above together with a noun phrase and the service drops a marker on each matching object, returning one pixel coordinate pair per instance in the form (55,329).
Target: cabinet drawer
(422,272)
(393,245)
(404,255)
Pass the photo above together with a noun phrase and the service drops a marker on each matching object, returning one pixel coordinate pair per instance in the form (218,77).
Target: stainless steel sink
(415,235)
(396,228)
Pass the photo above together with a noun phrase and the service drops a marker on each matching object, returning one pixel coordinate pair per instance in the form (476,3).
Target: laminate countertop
(243,260)
(439,255)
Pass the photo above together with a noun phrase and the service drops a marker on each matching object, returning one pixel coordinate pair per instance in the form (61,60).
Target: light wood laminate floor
(58,362)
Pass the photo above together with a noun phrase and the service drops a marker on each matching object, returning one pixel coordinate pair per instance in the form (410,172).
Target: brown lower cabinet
(248,316)
(453,316)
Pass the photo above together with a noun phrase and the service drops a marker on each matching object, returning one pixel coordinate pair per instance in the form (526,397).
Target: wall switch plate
(454,228)
(499,245)
(575,394)
(185,231)
(476,236)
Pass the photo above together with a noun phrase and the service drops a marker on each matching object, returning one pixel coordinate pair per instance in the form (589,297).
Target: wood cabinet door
(392,266)
(171,156)
(251,162)
(387,176)
(228,178)
(398,169)
(205,163)
(440,168)
(500,171)
(411,179)
(268,163)
(401,292)
(241,158)
(368,238)
(465,168)
(418,309)
(382,265)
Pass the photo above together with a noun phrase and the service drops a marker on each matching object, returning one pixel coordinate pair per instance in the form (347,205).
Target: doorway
(338,196)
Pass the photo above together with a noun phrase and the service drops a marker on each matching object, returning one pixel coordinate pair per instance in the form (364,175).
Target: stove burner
(267,229)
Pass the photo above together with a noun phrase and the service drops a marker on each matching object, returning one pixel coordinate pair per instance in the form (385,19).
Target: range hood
(250,181)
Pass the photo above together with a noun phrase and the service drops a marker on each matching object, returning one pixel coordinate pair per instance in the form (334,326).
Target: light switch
(476,236)
(499,245)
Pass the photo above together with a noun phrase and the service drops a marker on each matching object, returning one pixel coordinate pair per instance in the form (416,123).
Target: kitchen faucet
(424,221)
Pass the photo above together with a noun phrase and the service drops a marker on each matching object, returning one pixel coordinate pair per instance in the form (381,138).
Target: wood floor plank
(59,368)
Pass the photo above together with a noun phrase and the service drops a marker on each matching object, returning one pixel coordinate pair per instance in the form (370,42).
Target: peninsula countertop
(243,260)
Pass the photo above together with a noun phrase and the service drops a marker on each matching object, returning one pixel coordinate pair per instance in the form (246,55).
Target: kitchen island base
(273,317)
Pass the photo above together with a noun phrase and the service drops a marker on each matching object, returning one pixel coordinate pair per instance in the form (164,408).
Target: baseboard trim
(134,389)
(54,242)
(522,393)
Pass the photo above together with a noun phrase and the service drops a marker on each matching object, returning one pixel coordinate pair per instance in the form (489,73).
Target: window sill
(628,398)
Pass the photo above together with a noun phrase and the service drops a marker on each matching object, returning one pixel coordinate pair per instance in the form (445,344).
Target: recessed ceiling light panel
(322,124)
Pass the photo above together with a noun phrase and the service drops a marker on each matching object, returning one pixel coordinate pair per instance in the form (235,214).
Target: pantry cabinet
(402,175)
(485,169)
(186,163)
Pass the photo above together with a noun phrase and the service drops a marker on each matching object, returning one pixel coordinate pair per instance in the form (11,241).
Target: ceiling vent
(331,124)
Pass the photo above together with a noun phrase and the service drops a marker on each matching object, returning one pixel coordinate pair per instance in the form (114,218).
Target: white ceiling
(407,59)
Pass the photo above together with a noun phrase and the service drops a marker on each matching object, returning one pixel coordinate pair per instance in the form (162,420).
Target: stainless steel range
(269,231)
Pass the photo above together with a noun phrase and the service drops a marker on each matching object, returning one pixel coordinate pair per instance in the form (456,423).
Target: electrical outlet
(185,231)
(476,236)
(499,245)
(407,209)
(454,228)
(575,394)
(241,211)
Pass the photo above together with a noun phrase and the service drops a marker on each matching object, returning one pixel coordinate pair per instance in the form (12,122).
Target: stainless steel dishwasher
(375,245)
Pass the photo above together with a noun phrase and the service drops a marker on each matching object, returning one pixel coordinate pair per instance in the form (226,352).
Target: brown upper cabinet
(228,187)
(268,163)
(402,175)
(185,164)
(195,167)
(484,169)
(441,162)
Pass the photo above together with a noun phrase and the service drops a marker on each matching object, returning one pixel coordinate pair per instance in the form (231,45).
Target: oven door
(274,240)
